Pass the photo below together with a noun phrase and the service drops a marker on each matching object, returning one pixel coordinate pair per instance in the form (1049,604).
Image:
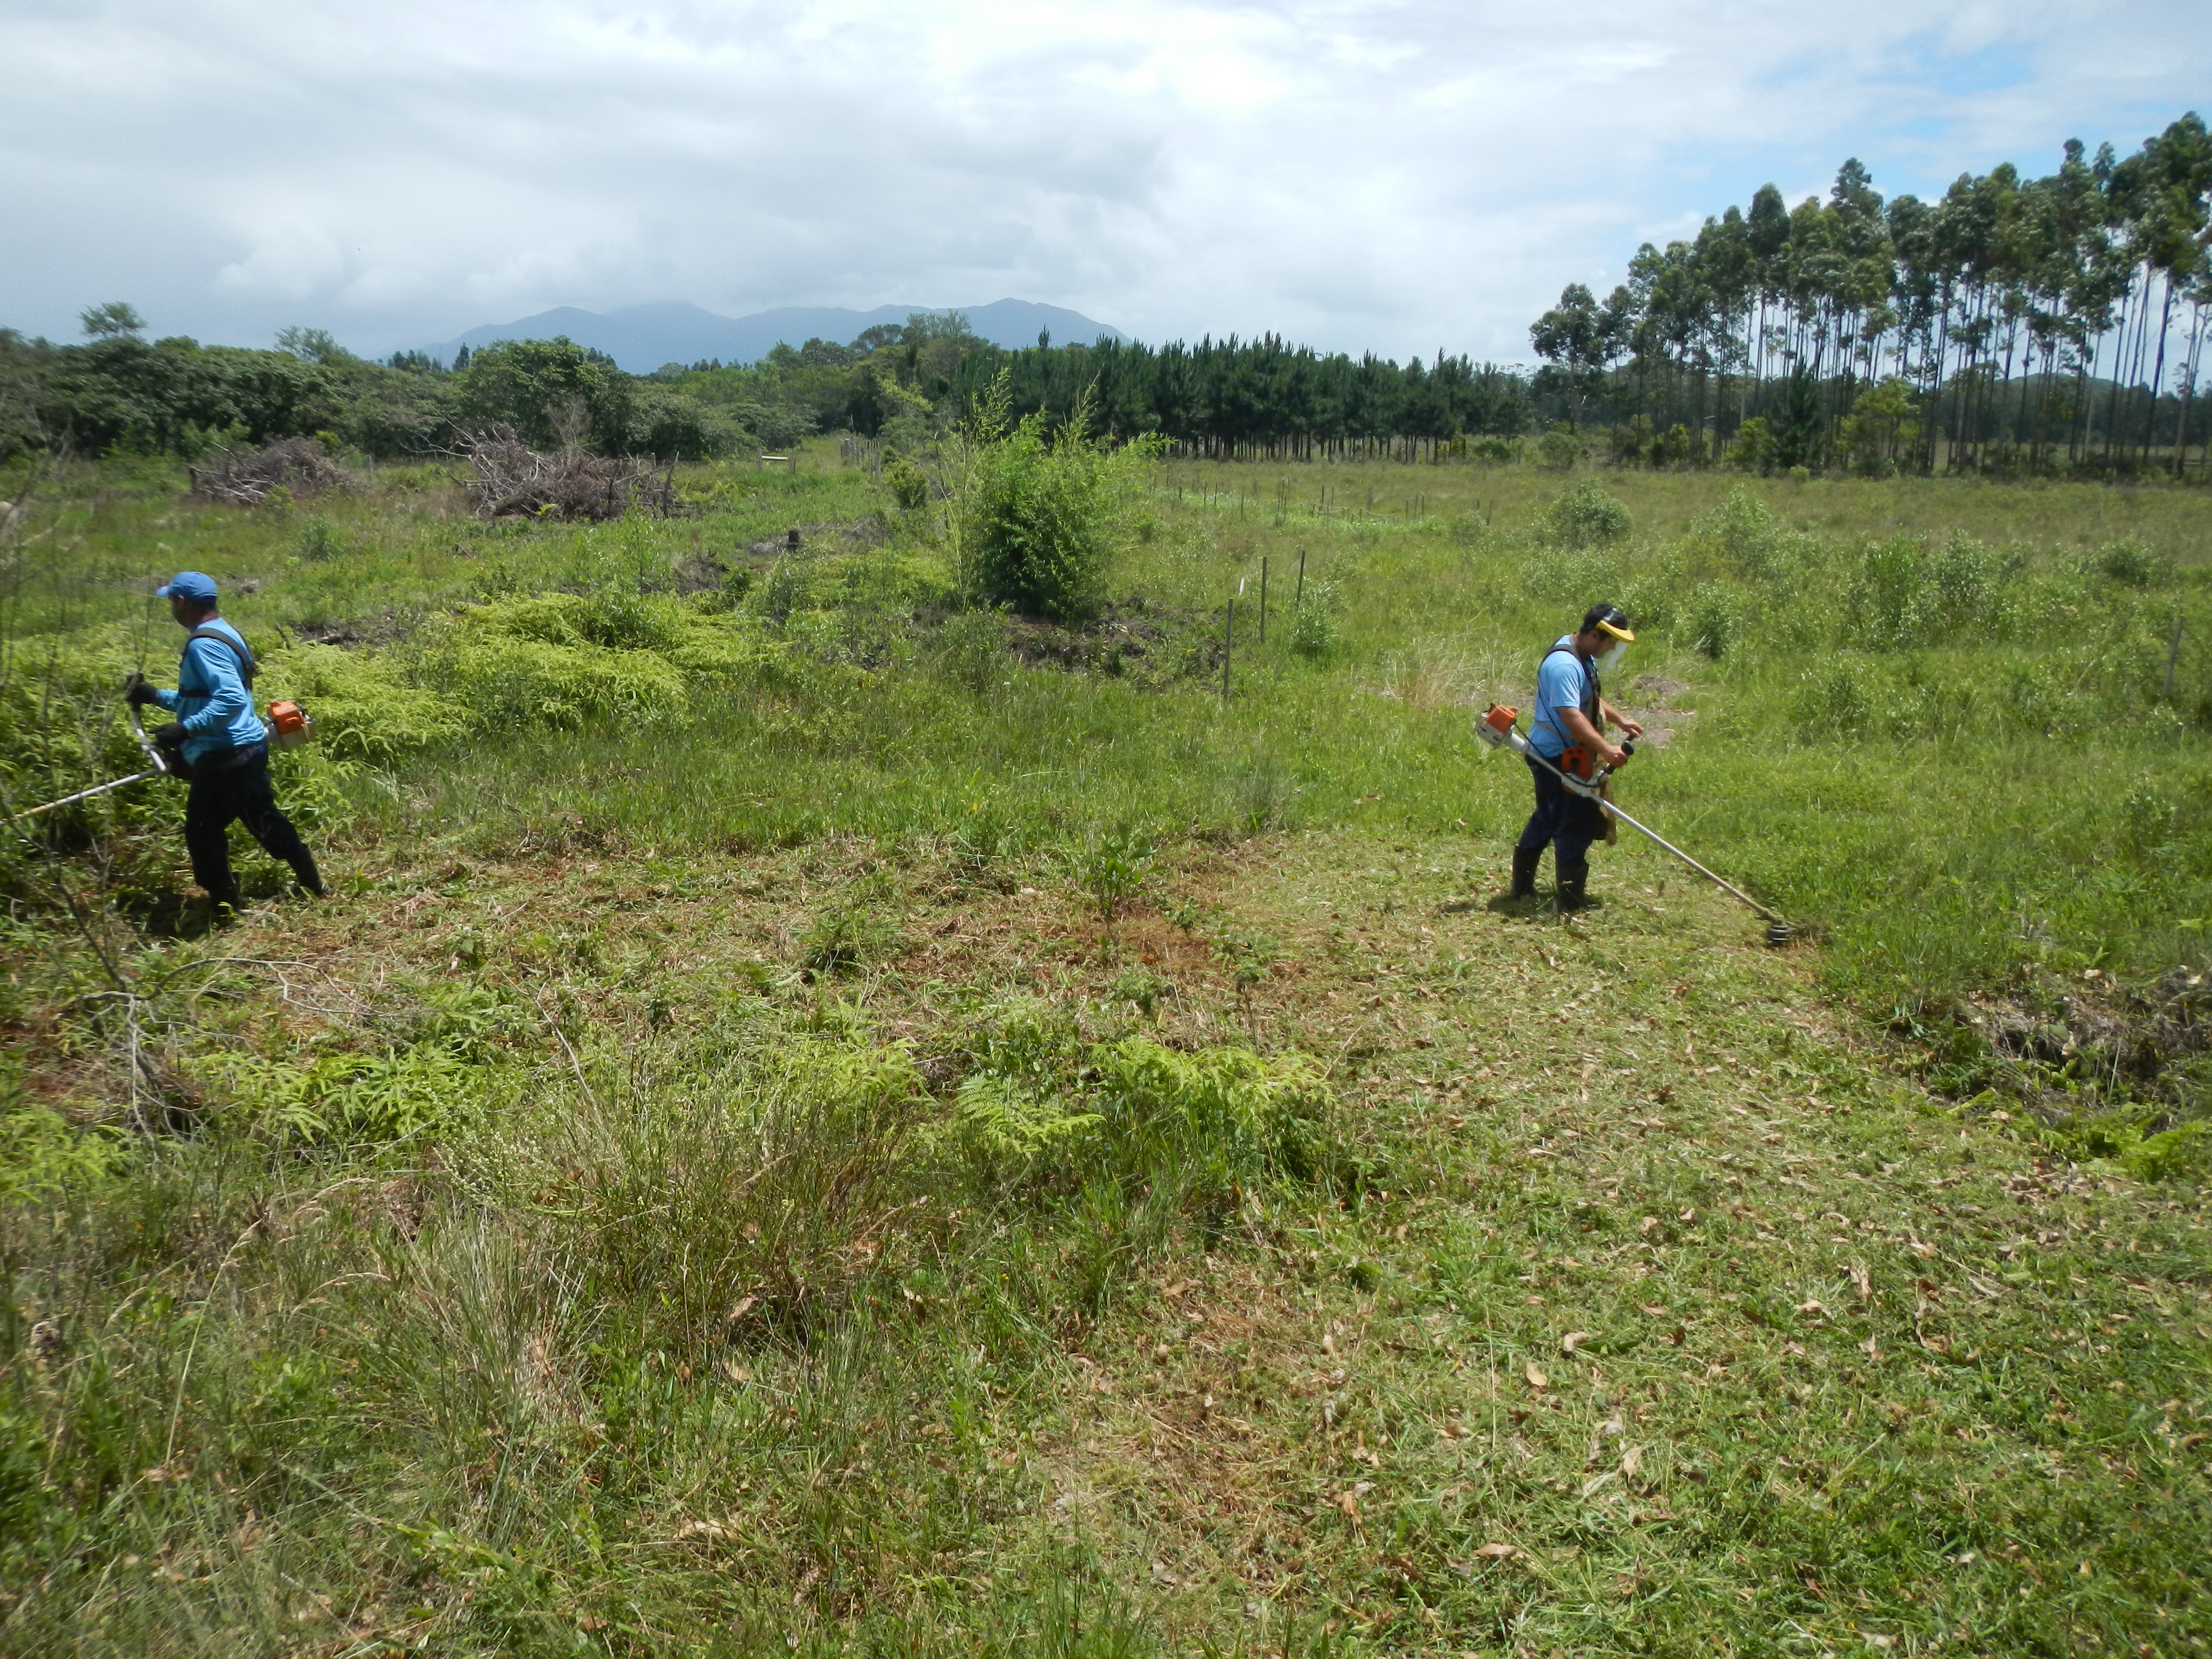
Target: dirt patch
(1661,726)
(2099,1034)
(1148,642)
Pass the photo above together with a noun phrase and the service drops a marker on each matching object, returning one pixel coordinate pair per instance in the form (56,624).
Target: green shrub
(611,619)
(1905,594)
(515,682)
(2131,564)
(1831,703)
(1004,1126)
(351,1096)
(909,484)
(1754,449)
(971,648)
(1742,532)
(320,539)
(42,1153)
(845,938)
(1038,514)
(1585,516)
(2173,1154)
(1557,450)
(364,708)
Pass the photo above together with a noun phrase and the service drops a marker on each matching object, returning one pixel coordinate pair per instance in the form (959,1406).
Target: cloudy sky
(1388,174)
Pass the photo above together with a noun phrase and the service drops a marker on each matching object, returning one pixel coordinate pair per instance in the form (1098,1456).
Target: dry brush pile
(300,467)
(512,478)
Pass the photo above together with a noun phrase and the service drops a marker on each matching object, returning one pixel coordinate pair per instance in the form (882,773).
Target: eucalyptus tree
(2037,321)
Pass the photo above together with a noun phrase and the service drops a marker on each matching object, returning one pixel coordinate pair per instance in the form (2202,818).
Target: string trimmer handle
(154,758)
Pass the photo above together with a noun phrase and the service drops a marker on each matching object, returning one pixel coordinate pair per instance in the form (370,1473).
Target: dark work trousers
(228,787)
(1567,822)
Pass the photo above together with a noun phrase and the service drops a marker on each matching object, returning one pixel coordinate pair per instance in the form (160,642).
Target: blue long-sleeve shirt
(211,700)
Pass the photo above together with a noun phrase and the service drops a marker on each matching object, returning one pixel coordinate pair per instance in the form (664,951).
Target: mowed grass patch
(1634,1301)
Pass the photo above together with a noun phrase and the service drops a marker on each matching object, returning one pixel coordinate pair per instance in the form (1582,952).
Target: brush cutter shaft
(87,794)
(1763,911)
(157,767)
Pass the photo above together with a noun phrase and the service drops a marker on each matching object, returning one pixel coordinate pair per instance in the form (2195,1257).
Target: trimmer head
(1780,933)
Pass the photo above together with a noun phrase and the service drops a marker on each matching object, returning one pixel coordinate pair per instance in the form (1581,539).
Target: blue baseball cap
(188,585)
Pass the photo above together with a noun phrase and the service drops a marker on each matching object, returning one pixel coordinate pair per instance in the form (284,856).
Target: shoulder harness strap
(247,668)
(1590,678)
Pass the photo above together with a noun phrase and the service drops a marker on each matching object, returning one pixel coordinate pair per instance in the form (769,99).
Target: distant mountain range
(643,337)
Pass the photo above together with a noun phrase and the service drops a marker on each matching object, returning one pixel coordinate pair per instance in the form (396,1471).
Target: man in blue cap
(222,744)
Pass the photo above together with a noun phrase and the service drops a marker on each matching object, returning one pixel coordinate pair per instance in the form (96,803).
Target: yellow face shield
(1621,639)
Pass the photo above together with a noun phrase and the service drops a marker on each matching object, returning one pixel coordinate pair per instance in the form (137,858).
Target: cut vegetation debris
(511,479)
(298,468)
(825,1119)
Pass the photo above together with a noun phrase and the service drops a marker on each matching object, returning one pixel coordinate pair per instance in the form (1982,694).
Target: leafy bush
(320,539)
(351,1096)
(1742,532)
(971,647)
(1831,703)
(909,484)
(1004,1126)
(2173,1154)
(561,659)
(364,707)
(1585,516)
(42,1153)
(1038,514)
(503,680)
(2131,564)
(1904,593)
(1557,450)
(1754,449)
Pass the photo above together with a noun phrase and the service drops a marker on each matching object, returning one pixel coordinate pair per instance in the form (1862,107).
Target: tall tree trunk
(2158,371)
(2188,389)
(2119,337)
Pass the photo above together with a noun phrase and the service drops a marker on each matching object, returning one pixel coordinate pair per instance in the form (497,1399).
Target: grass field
(823,1120)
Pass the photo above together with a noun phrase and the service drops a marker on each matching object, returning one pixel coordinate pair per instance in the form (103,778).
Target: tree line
(1218,399)
(2017,325)
(117,392)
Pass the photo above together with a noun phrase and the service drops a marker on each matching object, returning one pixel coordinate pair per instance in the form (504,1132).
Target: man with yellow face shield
(1567,728)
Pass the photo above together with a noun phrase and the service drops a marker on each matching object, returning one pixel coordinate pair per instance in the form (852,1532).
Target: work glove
(167,738)
(137,692)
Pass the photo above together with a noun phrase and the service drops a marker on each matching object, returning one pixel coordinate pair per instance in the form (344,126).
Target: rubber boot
(1525,860)
(224,903)
(303,870)
(1569,897)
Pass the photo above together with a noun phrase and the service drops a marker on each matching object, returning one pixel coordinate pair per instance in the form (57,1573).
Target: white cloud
(1397,175)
